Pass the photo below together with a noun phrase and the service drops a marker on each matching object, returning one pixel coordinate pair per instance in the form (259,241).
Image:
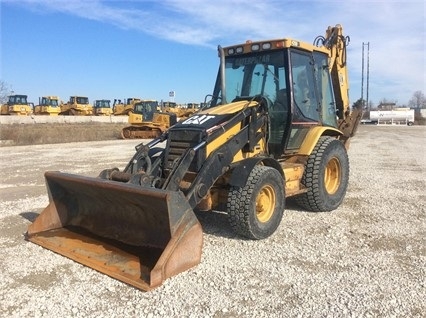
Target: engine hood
(214,116)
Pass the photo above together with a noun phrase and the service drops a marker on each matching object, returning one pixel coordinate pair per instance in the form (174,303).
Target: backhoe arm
(336,43)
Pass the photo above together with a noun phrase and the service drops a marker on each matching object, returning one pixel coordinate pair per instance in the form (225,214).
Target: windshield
(253,74)
(169,104)
(18,100)
(79,100)
(102,104)
(147,109)
(82,100)
(49,102)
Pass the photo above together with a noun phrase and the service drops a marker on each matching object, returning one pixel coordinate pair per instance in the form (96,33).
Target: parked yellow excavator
(48,105)
(146,122)
(278,126)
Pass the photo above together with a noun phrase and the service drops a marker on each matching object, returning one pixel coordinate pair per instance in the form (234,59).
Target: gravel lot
(366,259)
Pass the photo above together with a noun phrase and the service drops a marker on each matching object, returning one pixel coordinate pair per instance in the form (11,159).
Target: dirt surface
(49,133)
(365,259)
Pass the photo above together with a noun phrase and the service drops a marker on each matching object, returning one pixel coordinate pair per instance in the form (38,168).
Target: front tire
(255,210)
(326,176)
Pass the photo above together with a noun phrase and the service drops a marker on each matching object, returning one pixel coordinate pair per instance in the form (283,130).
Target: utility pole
(368,73)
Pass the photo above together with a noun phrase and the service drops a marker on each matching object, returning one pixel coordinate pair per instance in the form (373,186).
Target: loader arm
(220,159)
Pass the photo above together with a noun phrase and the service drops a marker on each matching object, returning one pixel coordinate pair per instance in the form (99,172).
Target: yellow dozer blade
(138,235)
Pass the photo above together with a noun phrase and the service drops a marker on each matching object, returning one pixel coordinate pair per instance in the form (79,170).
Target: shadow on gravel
(30,216)
(290,204)
(216,223)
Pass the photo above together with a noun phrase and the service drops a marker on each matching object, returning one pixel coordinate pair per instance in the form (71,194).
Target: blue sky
(147,48)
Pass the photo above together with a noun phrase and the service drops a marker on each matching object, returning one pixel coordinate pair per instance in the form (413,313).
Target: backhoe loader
(146,122)
(277,126)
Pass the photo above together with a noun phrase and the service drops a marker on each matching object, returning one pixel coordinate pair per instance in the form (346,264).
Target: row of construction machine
(77,105)
(17,105)
(48,105)
(277,126)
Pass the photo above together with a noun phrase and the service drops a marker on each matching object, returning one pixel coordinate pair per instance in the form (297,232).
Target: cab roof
(268,45)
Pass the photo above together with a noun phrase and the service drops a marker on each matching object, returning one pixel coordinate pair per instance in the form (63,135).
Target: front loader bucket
(138,235)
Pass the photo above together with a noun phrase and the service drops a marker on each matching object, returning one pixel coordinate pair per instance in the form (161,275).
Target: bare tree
(418,100)
(4,92)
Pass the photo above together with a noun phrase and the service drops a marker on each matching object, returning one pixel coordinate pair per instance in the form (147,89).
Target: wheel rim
(332,175)
(265,204)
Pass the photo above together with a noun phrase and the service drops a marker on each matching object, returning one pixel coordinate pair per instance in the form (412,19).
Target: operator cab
(292,79)
(146,109)
(17,100)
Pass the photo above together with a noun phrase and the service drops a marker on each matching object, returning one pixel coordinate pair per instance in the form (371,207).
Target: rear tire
(326,176)
(255,210)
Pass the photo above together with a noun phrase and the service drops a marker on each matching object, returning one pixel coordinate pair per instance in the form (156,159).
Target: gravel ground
(366,259)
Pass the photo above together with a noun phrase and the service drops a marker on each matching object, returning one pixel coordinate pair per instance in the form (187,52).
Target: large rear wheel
(255,210)
(326,176)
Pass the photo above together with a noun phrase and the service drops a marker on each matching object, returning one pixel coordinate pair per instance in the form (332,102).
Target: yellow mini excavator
(278,125)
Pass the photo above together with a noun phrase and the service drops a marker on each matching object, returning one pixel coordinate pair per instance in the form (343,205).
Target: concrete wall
(43,119)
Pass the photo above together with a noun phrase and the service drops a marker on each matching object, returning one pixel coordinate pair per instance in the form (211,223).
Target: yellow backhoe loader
(77,106)
(48,105)
(146,122)
(16,105)
(278,126)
